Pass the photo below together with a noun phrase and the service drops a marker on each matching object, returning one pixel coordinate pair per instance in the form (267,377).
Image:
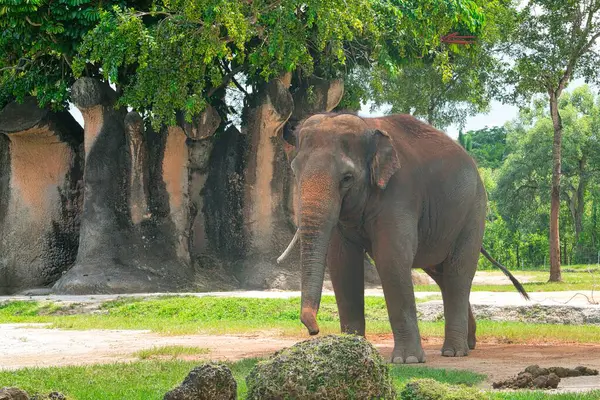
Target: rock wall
(40,195)
(162,211)
(127,247)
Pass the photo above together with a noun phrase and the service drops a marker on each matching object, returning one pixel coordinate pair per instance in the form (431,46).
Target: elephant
(409,196)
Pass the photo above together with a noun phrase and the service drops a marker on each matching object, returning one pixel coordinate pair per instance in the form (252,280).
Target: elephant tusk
(287,251)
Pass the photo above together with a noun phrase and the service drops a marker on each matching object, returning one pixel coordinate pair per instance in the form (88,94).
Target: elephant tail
(514,280)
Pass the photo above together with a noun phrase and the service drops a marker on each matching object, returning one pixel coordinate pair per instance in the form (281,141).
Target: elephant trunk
(319,213)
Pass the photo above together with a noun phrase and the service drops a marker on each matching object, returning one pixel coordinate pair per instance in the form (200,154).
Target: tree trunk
(594,220)
(580,206)
(555,275)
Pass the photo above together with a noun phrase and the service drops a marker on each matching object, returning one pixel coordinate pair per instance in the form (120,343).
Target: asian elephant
(408,195)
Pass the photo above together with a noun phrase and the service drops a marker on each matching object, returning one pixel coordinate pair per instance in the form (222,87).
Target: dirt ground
(22,345)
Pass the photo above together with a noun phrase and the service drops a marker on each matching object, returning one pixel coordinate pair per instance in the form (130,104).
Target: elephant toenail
(398,360)
(448,353)
(412,360)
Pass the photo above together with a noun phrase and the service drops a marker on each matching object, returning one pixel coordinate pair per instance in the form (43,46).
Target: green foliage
(487,146)
(429,389)
(445,87)
(329,367)
(168,56)
(523,182)
(38,40)
(441,94)
(552,42)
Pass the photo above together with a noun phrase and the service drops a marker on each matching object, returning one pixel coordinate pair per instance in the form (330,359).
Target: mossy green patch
(344,367)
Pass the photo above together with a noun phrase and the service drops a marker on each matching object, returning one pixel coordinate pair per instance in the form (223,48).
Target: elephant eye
(347,179)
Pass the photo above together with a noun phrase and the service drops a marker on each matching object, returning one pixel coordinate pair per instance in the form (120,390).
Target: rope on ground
(591,299)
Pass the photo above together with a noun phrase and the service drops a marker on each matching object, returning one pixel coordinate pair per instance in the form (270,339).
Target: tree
(487,146)
(446,88)
(38,41)
(525,177)
(423,90)
(553,43)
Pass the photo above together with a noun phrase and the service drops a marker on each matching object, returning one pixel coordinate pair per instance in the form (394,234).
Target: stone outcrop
(267,182)
(41,164)
(200,143)
(145,211)
(12,393)
(128,245)
(269,201)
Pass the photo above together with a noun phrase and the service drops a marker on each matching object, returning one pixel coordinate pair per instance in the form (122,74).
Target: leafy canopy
(553,43)
(175,55)
(38,40)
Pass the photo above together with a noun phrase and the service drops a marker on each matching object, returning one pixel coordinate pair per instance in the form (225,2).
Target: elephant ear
(384,161)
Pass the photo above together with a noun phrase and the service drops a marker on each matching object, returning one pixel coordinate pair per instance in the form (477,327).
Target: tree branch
(226,78)
(31,22)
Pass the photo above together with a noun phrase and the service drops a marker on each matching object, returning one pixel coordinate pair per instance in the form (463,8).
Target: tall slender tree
(553,42)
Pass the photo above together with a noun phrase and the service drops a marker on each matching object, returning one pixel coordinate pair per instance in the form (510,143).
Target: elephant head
(338,162)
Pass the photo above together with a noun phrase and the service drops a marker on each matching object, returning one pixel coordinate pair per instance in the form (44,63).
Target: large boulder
(206,382)
(41,168)
(326,368)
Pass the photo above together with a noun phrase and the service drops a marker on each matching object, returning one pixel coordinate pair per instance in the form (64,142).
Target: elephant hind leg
(458,270)
(437,275)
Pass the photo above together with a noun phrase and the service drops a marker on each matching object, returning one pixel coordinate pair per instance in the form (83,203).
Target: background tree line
(516,165)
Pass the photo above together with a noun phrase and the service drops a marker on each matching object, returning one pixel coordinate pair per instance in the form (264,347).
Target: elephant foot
(472,341)
(456,349)
(408,356)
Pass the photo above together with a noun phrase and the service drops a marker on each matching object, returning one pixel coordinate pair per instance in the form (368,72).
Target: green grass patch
(147,380)
(171,315)
(142,380)
(151,379)
(581,279)
(170,351)
(540,395)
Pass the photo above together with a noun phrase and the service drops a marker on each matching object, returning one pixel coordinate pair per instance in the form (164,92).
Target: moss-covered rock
(206,382)
(327,368)
(12,393)
(429,389)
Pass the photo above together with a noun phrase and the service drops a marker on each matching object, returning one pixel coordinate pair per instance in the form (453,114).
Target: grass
(174,315)
(170,351)
(148,380)
(579,279)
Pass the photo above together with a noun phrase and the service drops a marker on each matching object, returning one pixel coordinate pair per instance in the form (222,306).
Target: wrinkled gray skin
(408,195)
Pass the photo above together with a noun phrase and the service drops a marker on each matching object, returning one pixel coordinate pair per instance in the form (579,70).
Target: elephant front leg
(346,268)
(394,263)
